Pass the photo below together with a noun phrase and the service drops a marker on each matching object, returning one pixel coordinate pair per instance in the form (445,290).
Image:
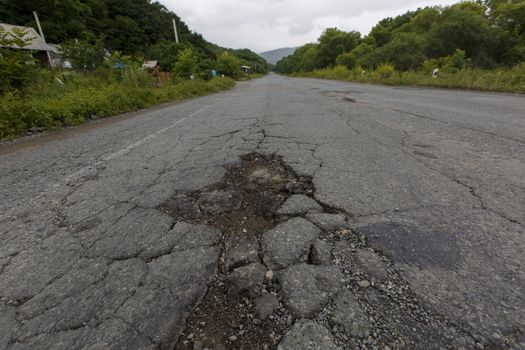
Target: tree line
(483,34)
(138,28)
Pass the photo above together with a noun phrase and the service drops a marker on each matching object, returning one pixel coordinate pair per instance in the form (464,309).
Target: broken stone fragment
(349,315)
(328,222)
(247,280)
(288,243)
(260,176)
(241,251)
(365,259)
(308,335)
(371,264)
(299,204)
(218,202)
(307,288)
(321,253)
(266,305)
(182,207)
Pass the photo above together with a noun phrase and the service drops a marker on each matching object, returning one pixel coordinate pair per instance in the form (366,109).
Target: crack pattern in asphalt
(345,229)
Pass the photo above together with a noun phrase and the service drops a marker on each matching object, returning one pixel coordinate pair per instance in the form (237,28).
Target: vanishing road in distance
(284,212)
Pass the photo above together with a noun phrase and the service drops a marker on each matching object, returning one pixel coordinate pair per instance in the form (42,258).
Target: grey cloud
(266,24)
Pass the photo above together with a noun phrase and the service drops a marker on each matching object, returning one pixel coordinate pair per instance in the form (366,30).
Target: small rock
(266,305)
(241,251)
(247,280)
(363,284)
(232,338)
(349,315)
(288,243)
(269,275)
(197,345)
(306,334)
(321,253)
(299,204)
(371,263)
(218,202)
(307,288)
(260,176)
(256,321)
(183,206)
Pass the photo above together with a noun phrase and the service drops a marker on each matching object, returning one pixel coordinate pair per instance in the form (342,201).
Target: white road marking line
(149,137)
(90,168)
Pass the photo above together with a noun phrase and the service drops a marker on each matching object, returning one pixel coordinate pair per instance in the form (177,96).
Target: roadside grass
(49,104)
(502,80)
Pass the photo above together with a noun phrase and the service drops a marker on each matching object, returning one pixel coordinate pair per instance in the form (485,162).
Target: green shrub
(17,67)
(73,104)
(506,80)
(385,70)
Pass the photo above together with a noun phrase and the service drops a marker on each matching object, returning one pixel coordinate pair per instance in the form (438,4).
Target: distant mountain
(275,56)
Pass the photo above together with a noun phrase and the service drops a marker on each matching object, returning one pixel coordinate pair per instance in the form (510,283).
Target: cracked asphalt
(433,179)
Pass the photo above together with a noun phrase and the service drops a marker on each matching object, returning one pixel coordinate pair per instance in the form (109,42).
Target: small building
(35,43)
(151,65)
(246,69)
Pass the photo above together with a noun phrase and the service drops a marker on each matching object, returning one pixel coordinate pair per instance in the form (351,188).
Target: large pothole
(323,271)
(243,206)
(245,202)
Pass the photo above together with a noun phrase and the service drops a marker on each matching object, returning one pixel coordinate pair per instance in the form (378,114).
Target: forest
(486,36)
(105,43)
(139,28)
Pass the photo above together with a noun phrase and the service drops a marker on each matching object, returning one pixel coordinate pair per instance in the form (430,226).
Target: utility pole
(175,30)
(43,38)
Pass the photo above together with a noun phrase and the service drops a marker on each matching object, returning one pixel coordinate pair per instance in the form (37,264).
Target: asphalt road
(434,179)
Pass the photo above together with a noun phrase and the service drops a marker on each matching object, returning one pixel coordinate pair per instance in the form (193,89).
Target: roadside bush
(503,79)
(385,70)
(186,64)
(449,64)
(229,65)
(84,55)
(17,67)
(73,106)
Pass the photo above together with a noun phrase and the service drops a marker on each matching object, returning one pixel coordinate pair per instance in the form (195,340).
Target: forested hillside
(105,43)
(486,34)
(133,27)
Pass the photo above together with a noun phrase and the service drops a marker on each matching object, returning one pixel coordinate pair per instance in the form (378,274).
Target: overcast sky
(263,25)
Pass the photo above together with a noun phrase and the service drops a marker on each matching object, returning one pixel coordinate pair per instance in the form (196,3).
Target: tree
(166,52)
(463,26)
(17,66)
(405,51)
(366,56)
(84,55)
(229,65)
(334,42)
(186,64)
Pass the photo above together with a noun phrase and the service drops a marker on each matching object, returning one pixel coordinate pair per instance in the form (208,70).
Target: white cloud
(269,24)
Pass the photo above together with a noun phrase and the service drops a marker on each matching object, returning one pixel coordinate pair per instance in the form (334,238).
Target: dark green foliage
(250,58)
(186,64)
(489,33)
(88,95)
(229,65)
(17,67)
(137,27)
(84,55)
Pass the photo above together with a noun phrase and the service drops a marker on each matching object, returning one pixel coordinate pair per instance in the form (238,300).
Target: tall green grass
(50,104)
(503,80)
